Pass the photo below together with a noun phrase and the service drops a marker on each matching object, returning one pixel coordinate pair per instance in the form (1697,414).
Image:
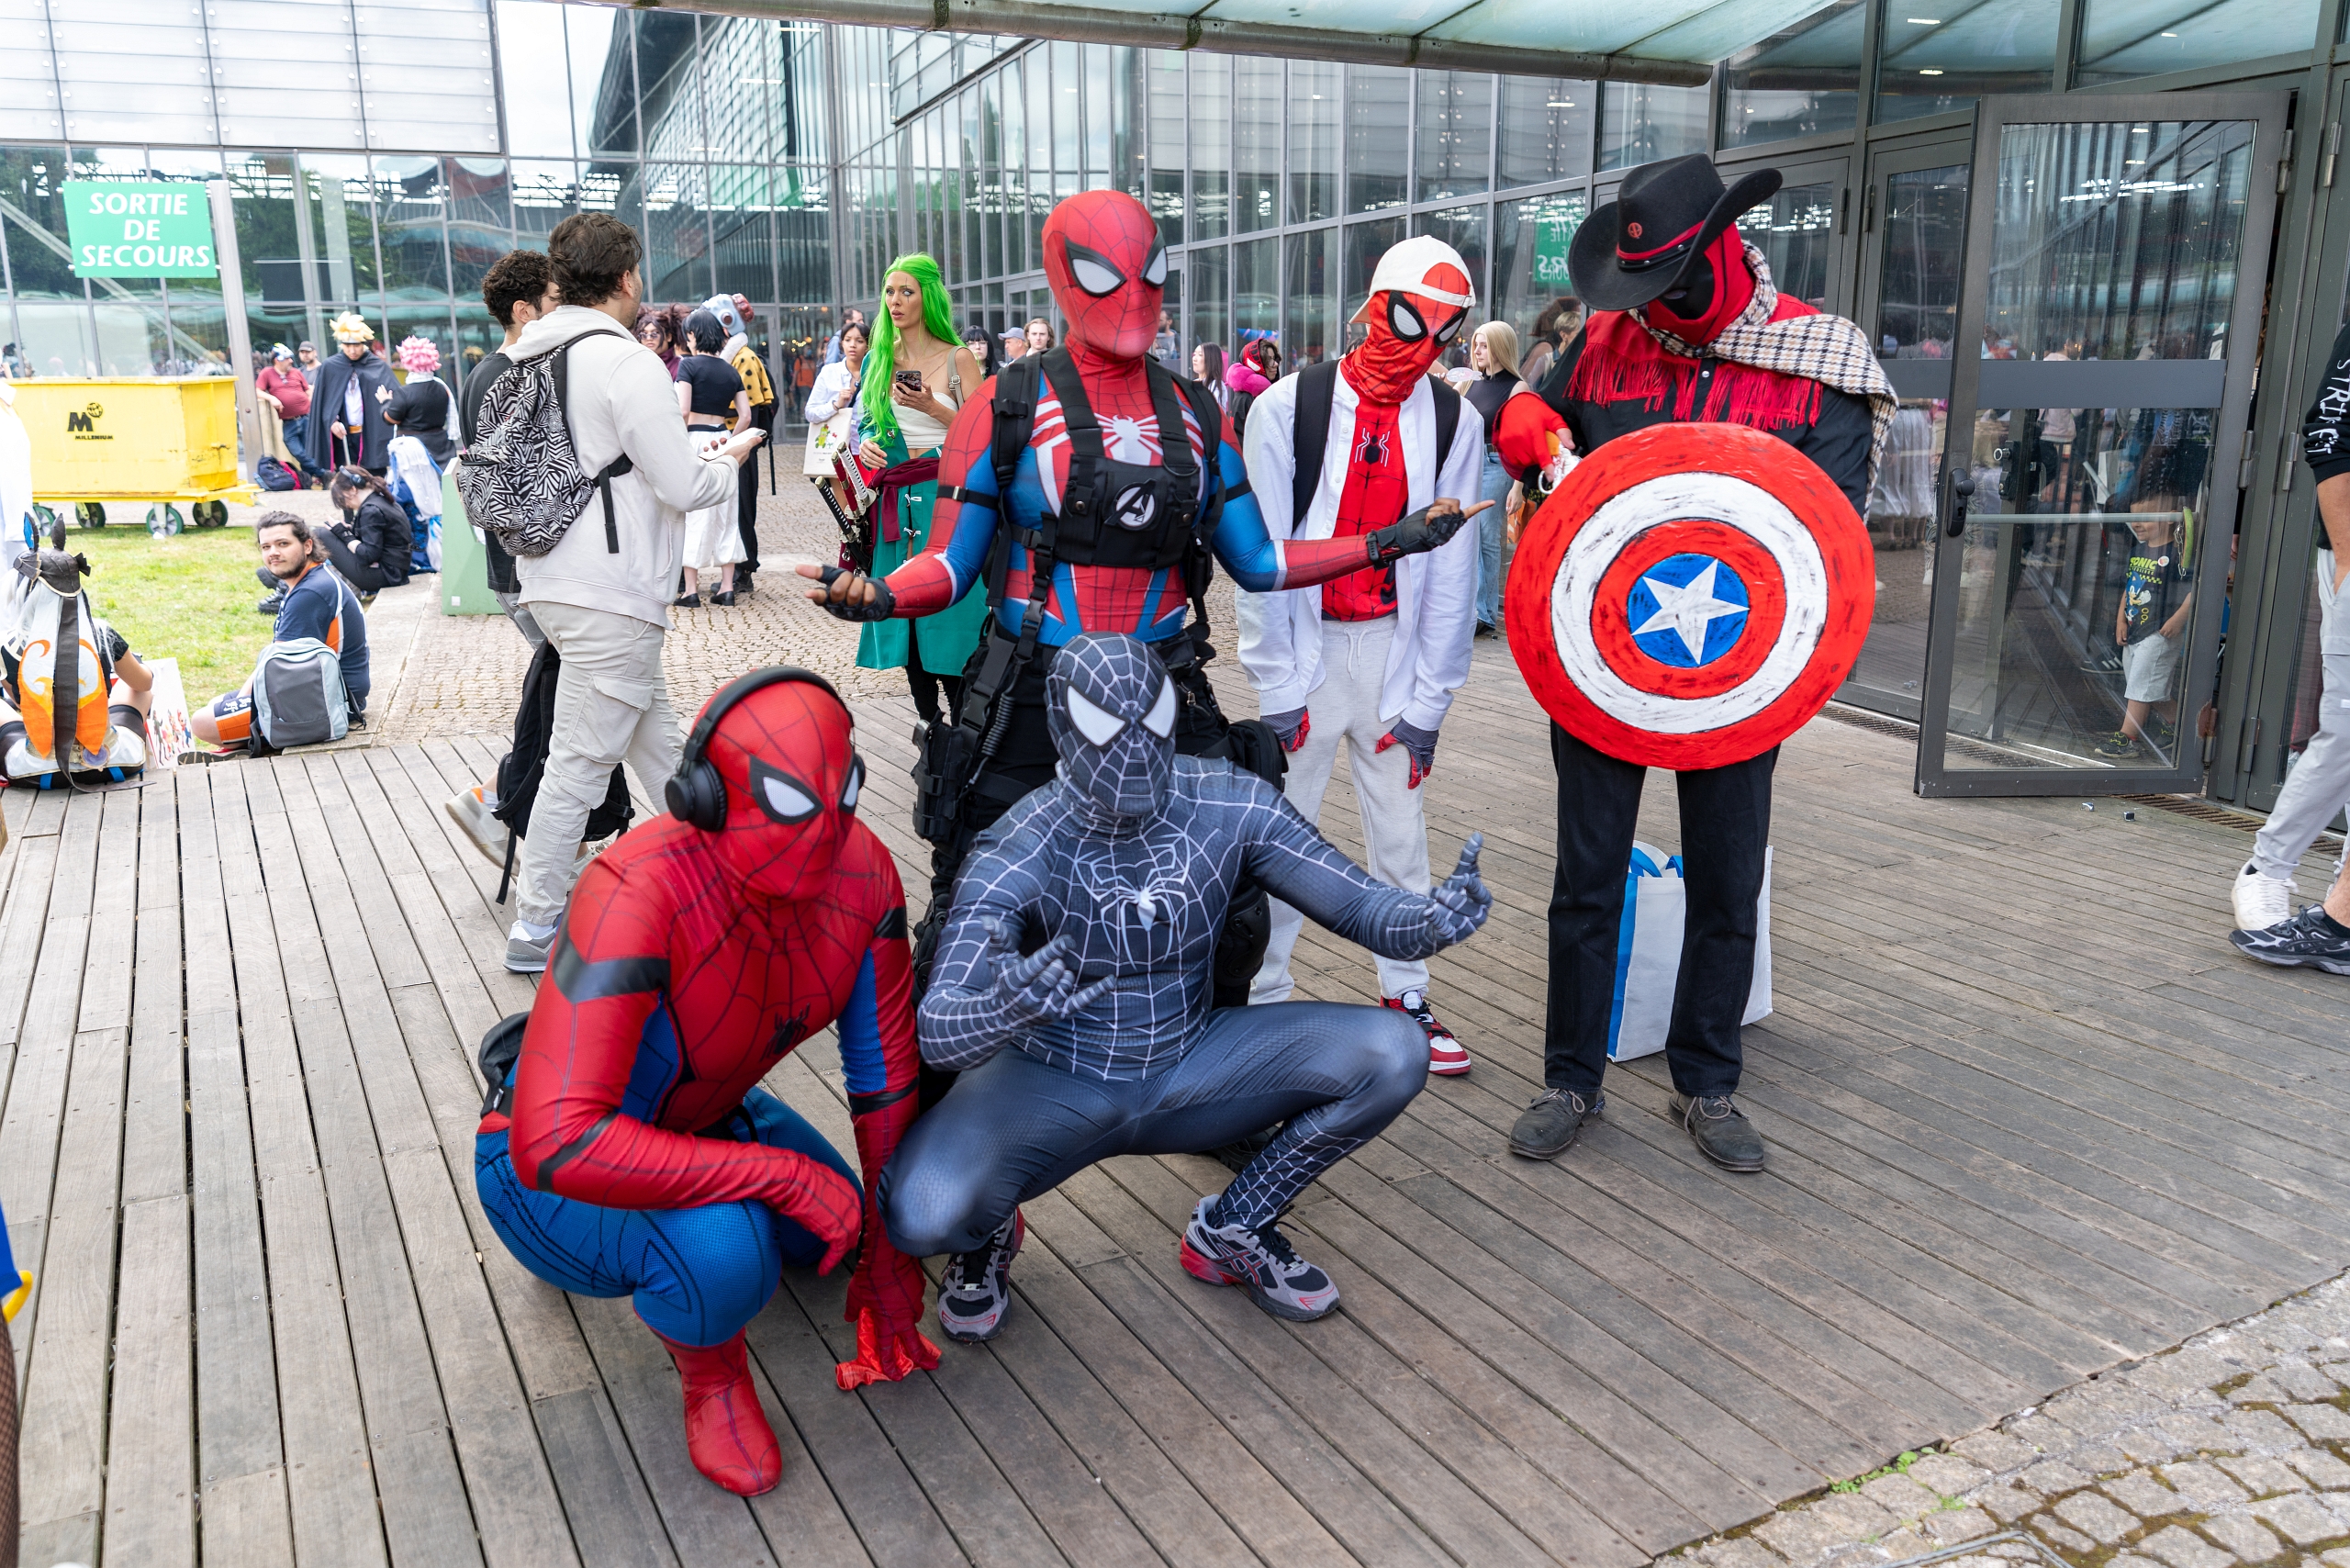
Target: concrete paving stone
(2126,1560)
(2301,1518)
(2046,1526)
(2092,1512)
(2099,1459)
(1901,1496)
(2014,1551)
(2323,1469)
(1950,1526)
(2043,1434)
(2143,1495)
(2260,1429)
(1802,1535)
(2149,1445)
(1995,1451)
(2202,1486)
(2265,1476)
(1744,1553)
(2192,1432)
(2323,1422)
(1900,1546)
(2008,1503)
(1947,1475)
(2184,1549)
(2244,1537)
(2261,1390)
(2054,1476)
(1855,1515)
(2338,1558)
(2303,1382)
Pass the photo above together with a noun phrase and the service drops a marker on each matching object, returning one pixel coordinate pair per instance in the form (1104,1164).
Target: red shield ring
(1690,596)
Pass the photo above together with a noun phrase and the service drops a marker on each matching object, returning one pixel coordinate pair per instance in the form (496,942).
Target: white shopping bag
(1648,952)
(828,442)
(168,732)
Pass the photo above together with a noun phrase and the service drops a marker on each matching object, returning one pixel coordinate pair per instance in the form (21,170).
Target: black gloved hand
(883,605)
(1423,530)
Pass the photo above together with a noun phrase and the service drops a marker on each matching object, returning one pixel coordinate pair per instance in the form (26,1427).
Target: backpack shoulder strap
(1015,424)
(1447,422)
(611,471)
(1318,386)
(1199,560)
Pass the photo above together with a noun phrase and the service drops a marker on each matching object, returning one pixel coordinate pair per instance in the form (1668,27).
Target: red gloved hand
(1291,729)
(1419,743)
(821,1200)
(1522,433)
(886,1351)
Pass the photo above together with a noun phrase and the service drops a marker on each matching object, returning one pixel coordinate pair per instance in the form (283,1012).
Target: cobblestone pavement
(2228,1450)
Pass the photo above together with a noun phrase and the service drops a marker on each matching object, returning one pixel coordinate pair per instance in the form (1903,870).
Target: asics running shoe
(1261,1261)
(975,1290)
(2311,937)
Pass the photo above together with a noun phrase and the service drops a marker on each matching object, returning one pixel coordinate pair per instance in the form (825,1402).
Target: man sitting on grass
(318,604)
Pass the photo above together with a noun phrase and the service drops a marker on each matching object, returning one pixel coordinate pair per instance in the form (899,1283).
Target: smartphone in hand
(909,379)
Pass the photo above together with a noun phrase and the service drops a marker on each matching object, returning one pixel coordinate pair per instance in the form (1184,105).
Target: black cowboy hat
(1641,245)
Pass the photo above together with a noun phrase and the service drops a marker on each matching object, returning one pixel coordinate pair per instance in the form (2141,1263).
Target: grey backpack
(522,478)
(298,696)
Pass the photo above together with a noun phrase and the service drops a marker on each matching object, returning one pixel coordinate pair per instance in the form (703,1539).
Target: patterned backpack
(522,478)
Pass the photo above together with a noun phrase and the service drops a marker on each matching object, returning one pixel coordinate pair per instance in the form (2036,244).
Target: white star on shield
(1688,609)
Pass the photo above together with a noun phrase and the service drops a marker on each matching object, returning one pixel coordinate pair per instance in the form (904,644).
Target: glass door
(2088,497)
(1913,233)
(1802,230)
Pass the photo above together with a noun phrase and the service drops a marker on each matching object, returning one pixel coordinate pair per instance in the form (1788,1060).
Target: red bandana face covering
(1733,289)
(1408,331)
(792,778)
(1106,264)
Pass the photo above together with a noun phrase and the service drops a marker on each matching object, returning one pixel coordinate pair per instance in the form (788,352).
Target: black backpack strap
(1448,423)
(613,470)
(1084,431)
(1199,561)
(1318,386)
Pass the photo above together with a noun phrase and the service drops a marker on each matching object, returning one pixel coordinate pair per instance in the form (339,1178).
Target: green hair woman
(916,374)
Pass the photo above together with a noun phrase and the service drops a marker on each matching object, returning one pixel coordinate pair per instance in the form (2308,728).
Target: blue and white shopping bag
(1648,952)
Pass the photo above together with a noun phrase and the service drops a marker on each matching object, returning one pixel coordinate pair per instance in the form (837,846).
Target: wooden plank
(150,1451)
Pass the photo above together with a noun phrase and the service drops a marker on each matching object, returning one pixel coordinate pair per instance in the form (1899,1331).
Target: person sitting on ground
(317,604)
(370,549)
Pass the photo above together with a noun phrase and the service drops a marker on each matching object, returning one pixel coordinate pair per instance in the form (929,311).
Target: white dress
(713,534)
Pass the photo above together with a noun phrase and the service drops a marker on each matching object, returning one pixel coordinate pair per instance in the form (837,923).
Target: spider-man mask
(1107,264)
(1420,295)
(1111,705)
(793,776)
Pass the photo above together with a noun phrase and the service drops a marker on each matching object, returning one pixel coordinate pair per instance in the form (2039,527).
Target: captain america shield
(1690,596)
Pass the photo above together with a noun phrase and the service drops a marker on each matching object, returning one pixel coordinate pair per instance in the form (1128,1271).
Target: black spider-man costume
(1081,937)
(635,1154)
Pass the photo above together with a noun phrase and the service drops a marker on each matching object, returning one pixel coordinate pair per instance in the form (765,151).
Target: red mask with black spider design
(793,776)
(1106,264)
(1420,295)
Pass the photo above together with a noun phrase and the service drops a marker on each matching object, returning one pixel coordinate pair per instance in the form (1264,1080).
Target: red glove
(886,1351)
(1522,433)
(1291,729)
(821,1200)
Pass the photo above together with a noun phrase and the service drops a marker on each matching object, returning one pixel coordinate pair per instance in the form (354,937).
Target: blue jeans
(1494,486)
(698,1276)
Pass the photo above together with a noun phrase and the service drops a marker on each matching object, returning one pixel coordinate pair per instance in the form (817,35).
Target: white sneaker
(2262,901)
(527,951)
(486,833)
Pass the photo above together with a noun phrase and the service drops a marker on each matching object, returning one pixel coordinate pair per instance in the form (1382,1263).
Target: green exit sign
(139,228)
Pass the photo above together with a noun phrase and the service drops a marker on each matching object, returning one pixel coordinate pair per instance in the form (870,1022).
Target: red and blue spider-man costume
(636,1154)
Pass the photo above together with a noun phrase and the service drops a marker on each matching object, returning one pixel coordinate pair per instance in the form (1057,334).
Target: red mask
(1732,290)
(1106,264)
(1420,295)
(792,778)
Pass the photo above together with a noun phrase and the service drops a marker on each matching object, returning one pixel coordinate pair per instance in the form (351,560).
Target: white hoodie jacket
(622,401)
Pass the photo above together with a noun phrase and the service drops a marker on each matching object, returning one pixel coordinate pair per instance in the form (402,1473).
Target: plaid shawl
(1800,348)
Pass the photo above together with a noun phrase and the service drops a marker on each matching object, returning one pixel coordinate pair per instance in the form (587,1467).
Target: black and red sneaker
(1446,1058)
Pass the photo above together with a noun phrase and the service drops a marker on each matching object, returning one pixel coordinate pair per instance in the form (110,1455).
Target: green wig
(881,354)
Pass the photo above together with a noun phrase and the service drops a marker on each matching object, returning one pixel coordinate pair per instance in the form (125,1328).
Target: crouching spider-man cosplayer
(1072,991)
(632,1152)
(1078,484)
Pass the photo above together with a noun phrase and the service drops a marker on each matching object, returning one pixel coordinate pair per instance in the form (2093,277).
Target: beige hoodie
(621,401)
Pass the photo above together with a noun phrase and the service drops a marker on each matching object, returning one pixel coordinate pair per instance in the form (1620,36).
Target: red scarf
(1621,361)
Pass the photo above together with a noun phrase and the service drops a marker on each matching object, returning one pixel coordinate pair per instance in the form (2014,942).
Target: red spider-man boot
(726,1432)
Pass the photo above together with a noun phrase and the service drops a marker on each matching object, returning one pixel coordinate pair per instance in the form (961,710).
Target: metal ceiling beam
(1027,18)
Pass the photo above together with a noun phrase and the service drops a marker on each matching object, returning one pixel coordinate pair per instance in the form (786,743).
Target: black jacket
(420,408)
(380,534)
(2325,429)
(1839,440)
(371,446)
(500,571)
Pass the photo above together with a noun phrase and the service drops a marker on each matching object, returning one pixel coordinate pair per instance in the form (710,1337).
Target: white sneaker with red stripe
(1446,1058)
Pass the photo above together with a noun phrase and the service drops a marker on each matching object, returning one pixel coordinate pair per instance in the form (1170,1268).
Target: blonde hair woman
(1493,353)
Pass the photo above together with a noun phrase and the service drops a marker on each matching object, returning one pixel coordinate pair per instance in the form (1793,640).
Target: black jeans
(1725,828)
(365,577)
(928,687)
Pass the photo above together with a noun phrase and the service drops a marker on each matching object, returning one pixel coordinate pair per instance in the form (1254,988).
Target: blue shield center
(1687,611)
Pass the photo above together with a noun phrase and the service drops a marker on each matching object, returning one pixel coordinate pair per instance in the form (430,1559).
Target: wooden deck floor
(2028,1115)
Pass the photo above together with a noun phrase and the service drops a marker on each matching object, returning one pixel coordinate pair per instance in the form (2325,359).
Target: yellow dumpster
(155,439)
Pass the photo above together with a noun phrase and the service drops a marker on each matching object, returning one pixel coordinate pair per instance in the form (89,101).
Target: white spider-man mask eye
(1111,707)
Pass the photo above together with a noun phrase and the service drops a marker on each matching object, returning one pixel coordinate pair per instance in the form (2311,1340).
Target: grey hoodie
(621,399)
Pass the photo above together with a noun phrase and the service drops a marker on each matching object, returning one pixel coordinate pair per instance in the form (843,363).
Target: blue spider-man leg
(1015,1127)
(697,1275)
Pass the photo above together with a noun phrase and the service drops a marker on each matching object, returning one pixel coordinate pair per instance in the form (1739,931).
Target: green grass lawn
(189,598)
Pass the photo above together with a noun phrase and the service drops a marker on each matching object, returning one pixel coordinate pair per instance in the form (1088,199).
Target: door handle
(1961,489)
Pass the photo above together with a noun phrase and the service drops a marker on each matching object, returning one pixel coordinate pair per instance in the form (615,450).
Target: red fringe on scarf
(1621,362)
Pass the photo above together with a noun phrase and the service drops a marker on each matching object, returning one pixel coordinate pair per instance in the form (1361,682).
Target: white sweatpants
(611,702)
(1394,824)
(2319,785)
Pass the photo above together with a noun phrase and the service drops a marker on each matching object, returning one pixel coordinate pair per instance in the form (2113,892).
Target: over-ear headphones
(696,795)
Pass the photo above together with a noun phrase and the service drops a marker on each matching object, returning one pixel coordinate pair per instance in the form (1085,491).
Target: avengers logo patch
(1690,596)
(1136,506)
